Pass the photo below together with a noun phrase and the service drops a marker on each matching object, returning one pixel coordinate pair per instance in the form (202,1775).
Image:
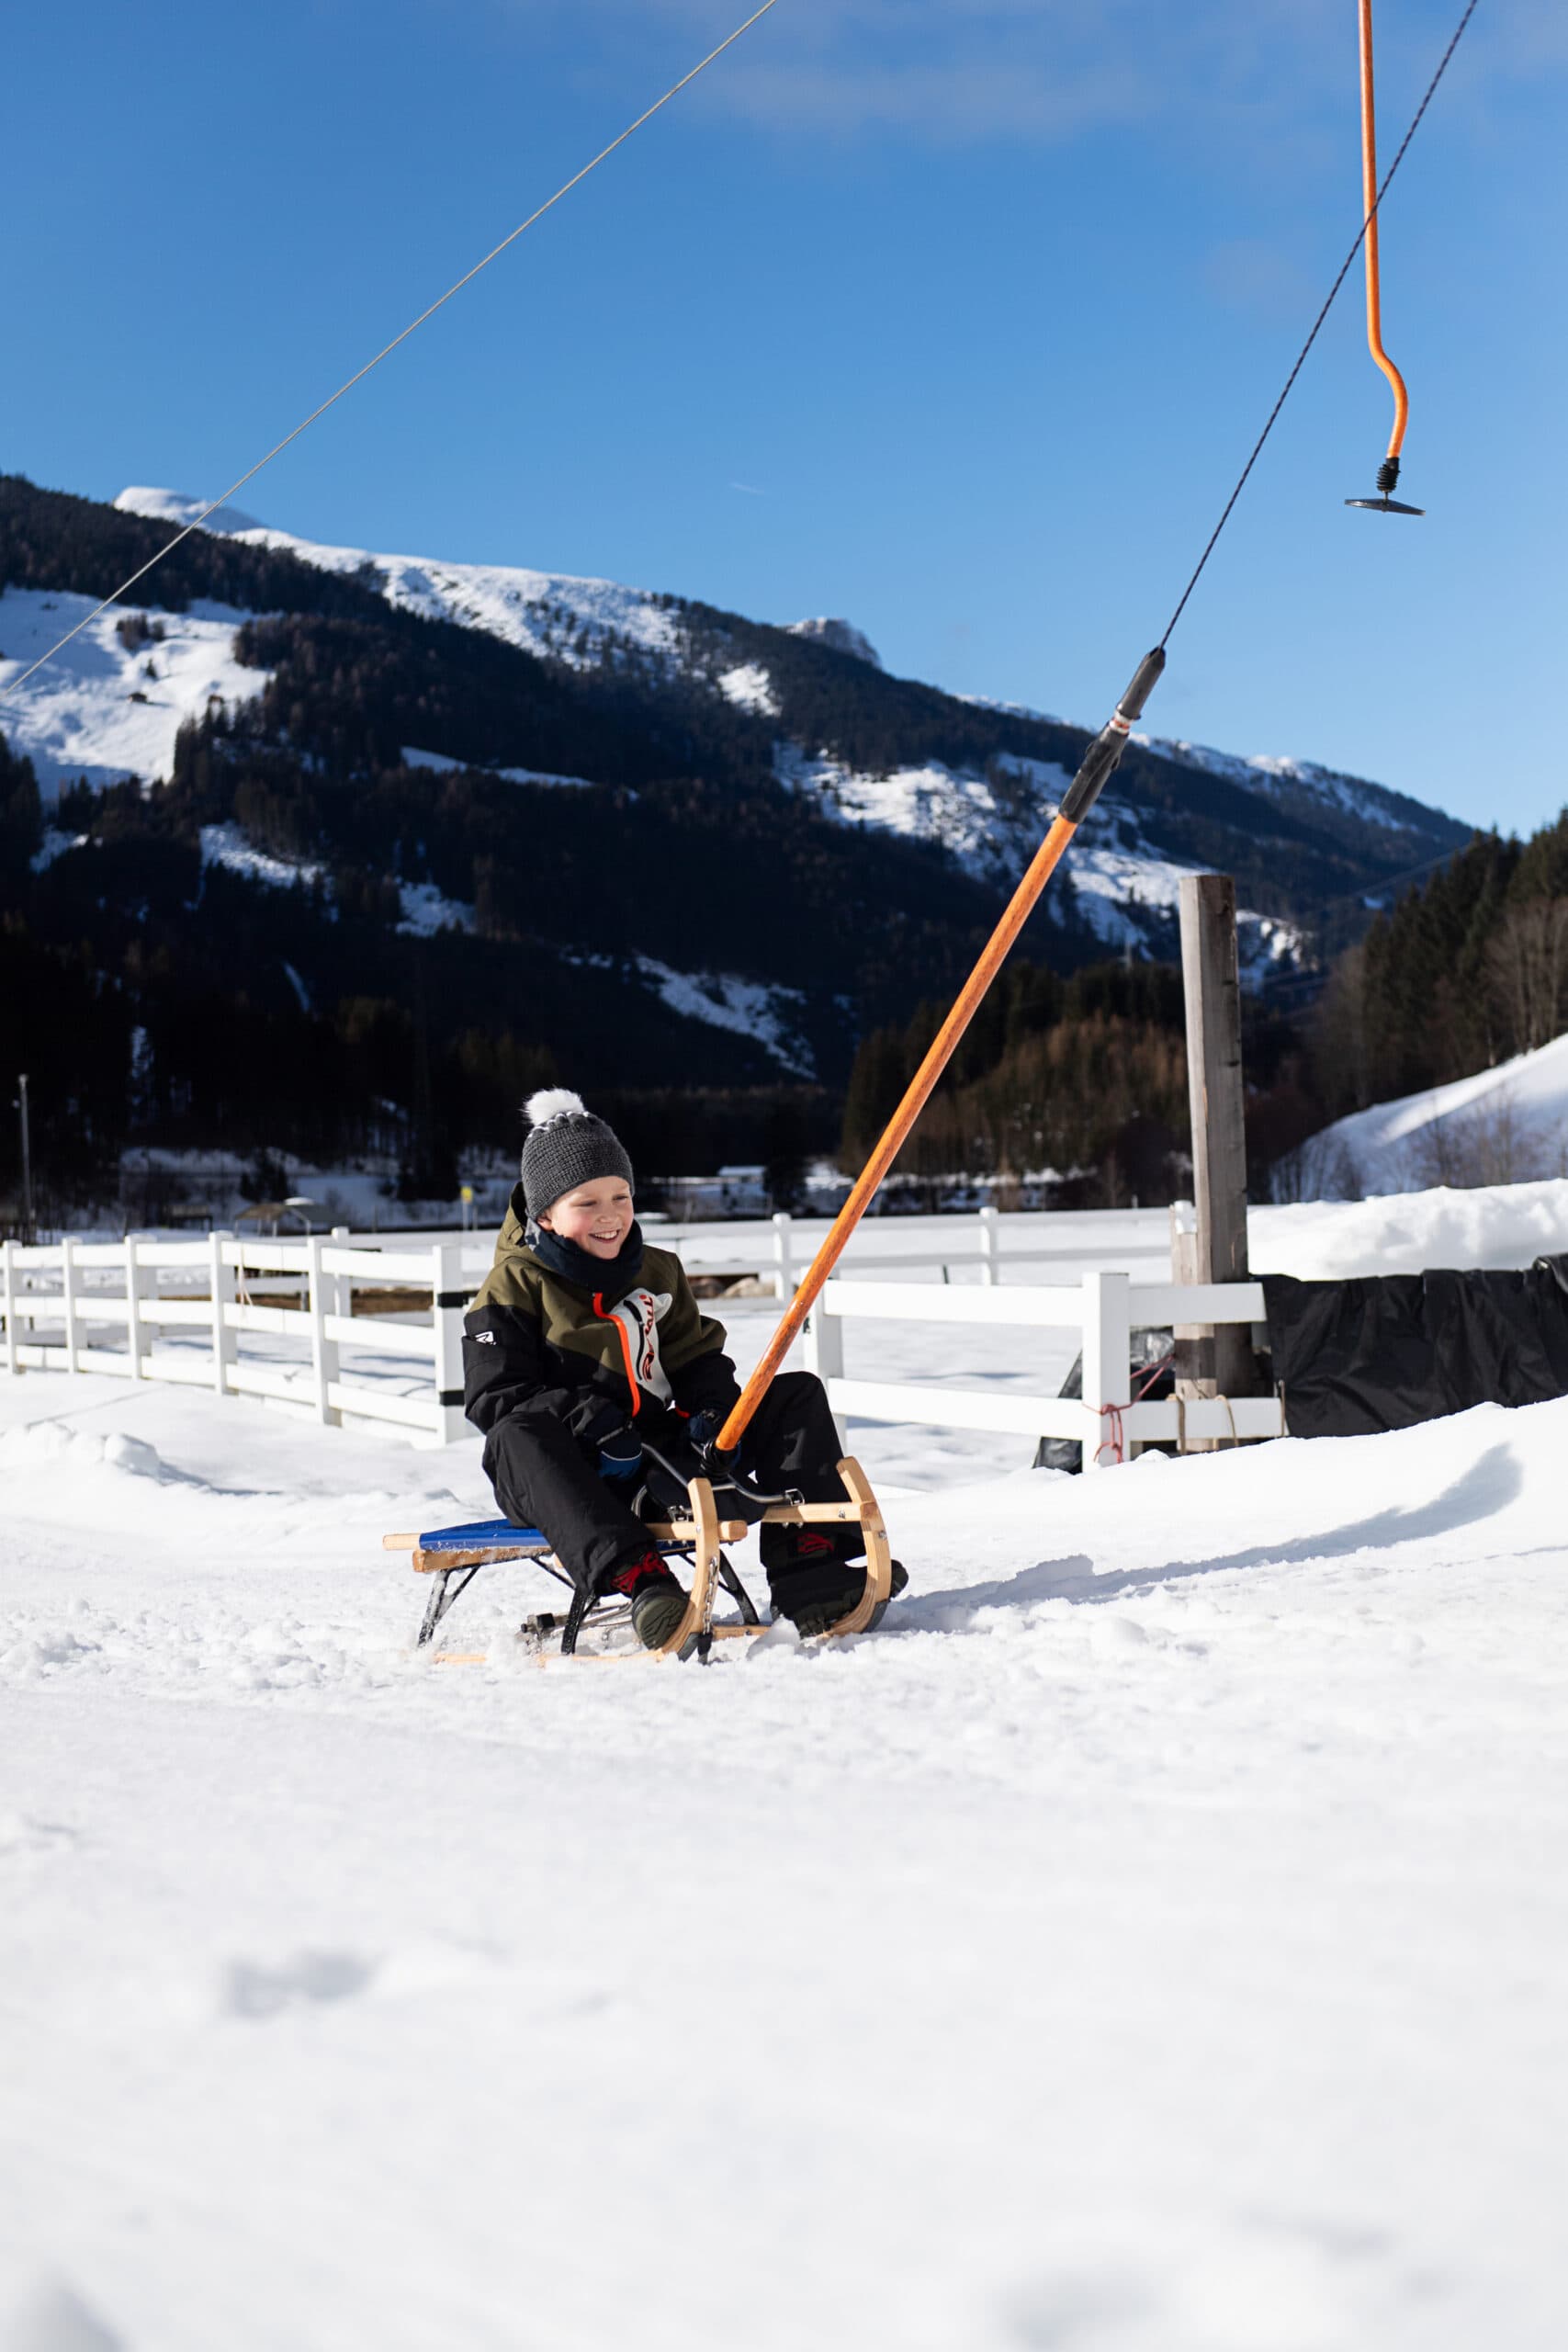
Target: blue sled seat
(482,1535)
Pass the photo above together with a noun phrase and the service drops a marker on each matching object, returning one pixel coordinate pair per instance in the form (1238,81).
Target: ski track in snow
(1154,1934)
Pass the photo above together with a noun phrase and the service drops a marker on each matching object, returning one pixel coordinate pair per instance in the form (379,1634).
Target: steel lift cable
(1099,765)
(1388,472)
(358,377)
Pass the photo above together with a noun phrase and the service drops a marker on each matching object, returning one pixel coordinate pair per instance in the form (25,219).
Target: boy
(582,1342)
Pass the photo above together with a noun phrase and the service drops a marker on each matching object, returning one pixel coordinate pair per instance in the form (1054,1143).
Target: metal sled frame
(455,1554)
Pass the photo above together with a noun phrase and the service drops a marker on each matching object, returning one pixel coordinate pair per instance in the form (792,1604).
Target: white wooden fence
(105,1307)
(1104,1307)
(779,1250)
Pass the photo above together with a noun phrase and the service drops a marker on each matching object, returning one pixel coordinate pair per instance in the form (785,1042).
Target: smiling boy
(582,1342)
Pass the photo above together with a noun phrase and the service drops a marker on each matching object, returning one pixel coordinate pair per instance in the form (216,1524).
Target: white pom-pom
(553,1102)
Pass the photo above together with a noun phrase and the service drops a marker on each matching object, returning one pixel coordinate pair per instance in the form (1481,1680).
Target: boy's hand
(620,1456)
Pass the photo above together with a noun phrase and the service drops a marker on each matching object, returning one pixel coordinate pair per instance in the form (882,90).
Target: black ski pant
(545,1477)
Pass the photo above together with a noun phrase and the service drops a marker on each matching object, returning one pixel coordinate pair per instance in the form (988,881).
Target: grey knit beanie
(566,1145)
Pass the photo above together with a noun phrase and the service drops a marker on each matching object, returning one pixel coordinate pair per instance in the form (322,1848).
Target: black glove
(620,1456)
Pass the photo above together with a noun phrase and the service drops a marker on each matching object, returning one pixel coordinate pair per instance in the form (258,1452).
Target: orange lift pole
(1098,762)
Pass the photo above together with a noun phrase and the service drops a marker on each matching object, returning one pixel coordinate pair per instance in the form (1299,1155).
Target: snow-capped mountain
(111,705)
(660,829)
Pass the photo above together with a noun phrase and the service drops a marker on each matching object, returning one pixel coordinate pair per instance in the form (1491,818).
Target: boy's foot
(816,1589)
(657,1601)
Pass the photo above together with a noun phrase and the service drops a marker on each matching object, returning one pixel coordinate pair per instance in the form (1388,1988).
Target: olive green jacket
(536,1344)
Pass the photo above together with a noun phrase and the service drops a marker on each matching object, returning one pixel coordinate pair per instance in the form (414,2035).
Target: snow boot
(659,1601)
(817,1585)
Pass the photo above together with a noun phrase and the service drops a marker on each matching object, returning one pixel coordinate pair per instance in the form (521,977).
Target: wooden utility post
(1213,1361)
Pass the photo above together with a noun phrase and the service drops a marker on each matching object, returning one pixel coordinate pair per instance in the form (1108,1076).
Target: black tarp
(1387,1351)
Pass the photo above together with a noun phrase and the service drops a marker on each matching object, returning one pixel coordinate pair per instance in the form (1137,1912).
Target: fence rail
(60,1302)
(1105,1307)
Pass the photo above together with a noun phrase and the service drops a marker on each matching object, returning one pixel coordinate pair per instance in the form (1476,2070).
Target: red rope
(1116,1438)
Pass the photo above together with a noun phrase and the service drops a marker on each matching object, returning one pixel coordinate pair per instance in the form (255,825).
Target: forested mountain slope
(349,837)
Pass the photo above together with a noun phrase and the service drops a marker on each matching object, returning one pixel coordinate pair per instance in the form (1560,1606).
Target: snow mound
(50,1442)
(1507,1124)
(1497,1226)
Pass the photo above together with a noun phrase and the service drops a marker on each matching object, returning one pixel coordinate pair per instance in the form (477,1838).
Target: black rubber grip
(1098,763)
(1145,680)
(1100,759)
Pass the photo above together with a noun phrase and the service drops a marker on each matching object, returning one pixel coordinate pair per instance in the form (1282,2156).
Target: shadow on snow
(1486,1488)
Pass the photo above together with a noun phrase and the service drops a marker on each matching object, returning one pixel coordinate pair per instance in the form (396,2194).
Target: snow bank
(1500,1224)
(1506,1123)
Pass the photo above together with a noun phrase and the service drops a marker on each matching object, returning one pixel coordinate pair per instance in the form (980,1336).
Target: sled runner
(454,1556)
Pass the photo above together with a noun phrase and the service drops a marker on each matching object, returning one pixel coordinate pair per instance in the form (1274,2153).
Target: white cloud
(1051,70)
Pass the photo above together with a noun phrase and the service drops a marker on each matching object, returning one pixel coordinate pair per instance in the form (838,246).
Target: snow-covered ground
(103,709)
(1508,1123)
(1151,1941)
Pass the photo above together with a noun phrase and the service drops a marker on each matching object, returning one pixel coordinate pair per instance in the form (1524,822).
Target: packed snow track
(1151,1941)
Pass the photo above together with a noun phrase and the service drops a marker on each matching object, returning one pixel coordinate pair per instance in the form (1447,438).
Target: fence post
(225,1339)
(321,1300)
(824,1350)
(784,1271)
(1215,1360)
(1107,1361)
(134,1325)
(990,1248)
(450,1301)
(68,1294)
(9,1254)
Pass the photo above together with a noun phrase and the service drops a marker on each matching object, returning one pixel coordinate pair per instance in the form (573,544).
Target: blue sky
(957,317)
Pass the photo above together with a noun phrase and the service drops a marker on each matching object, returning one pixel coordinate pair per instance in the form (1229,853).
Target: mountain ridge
(664,843)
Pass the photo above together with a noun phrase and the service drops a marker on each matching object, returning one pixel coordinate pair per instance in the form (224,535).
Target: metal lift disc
(1386,506)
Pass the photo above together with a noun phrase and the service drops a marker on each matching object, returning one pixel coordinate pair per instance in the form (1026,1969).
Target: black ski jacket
(536,1346)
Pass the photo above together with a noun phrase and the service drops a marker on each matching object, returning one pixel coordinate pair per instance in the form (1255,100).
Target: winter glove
(620,1456)
(701,1429)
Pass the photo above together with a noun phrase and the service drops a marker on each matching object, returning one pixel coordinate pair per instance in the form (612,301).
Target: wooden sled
(455,1554)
